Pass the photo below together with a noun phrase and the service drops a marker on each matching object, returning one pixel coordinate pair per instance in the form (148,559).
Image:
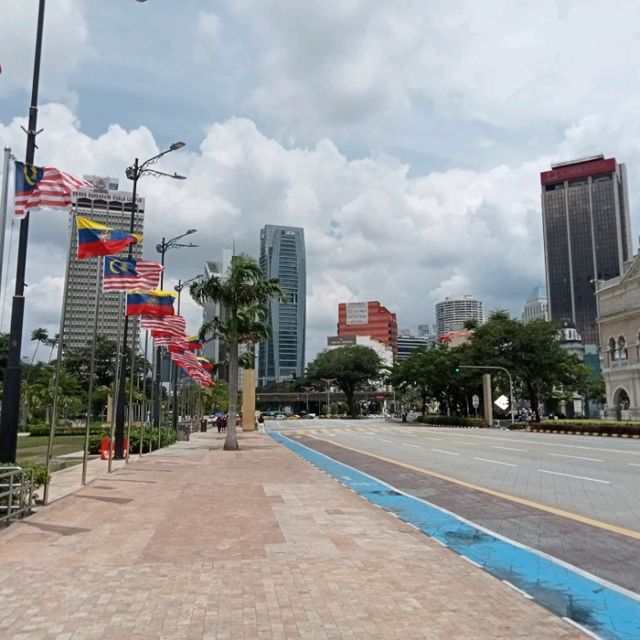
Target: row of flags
(49,187)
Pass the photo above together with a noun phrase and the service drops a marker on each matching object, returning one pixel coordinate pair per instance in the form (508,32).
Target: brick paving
(194,542)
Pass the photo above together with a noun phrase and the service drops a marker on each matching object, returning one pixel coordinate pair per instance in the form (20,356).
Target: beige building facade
(618,304)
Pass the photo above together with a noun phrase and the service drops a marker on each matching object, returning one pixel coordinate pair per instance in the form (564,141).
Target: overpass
(312,401)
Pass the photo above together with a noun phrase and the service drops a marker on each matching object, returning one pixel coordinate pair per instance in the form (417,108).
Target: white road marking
(520,591)
(562,455)
(495,446)
(384,440)
(583,629)
(506,464)
(633,464)
(451,453)
(568,475)
(415,446)
(473,562)
(471,444)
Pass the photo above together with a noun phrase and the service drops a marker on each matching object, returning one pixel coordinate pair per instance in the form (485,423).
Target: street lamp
(307,389)
(13,371)
(486,366)
(174,415)
(134,173)
(162,248)
(328,382)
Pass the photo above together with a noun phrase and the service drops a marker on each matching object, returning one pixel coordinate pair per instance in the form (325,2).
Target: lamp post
(328,382)
(307,389)
(134,173)
(13,371)
(162,248)
(174,415)
(500,369)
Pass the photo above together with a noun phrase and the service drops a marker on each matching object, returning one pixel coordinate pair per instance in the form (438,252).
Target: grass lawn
(34,448)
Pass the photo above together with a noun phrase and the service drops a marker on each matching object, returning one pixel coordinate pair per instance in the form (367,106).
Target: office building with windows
(454,311)
(408,343)
(369,319)
(586,224)
(282,256)
(109,206)
(537,306)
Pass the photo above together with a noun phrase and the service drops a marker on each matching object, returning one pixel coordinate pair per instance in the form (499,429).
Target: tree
(531,352)
(350,367)
(77,360)
(244,294)
(39,336)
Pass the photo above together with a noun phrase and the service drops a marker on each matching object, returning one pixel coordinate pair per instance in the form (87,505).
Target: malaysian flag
(169,324)
(44,187)
(126,275)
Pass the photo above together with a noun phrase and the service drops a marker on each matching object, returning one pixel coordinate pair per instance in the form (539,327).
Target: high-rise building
(282,256)
(536,306)
(369,319)
(586,224)
(408,343)
(454,311)
(108,206)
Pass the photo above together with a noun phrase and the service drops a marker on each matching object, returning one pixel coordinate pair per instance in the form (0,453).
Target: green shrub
(597,428)
(451,421)
(40,474)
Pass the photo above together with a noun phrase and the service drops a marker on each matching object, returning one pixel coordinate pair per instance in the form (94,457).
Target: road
(576,498)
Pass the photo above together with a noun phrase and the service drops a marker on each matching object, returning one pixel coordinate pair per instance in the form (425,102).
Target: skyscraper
(282,256)
(536,306)
(108,206)
(586,224)
(454,311)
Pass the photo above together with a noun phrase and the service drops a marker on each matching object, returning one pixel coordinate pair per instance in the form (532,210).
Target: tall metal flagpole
(131,382)
(13,372)
(143,421)
(56,378)
(3,206)
(112,440)
(92,370)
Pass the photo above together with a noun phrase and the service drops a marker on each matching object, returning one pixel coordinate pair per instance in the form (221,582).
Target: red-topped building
(369,319)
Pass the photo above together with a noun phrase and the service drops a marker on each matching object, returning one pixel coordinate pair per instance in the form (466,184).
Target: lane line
(415,446)
(495,446)
(569,475)
(633,464)
(520,591)
(605,526)
(563,455)
(451,453)
(384,440)
(506,464)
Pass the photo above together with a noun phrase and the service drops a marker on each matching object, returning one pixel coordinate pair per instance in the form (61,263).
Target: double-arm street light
(174,415)
(328,382)
(134,173)
(162,248)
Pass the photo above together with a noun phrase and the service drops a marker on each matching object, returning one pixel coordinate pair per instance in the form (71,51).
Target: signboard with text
(357,313)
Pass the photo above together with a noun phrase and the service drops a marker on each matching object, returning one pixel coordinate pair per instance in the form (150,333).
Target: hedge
(451,421)
(590,428)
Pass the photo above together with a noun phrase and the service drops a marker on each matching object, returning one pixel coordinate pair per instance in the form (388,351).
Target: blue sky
(405,137)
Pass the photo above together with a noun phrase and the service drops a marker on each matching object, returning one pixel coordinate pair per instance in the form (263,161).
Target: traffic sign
(475,401)
(502,402)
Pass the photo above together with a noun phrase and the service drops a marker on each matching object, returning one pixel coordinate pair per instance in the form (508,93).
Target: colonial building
(618,302)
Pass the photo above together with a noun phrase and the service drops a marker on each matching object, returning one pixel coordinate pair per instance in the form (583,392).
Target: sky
(406,137)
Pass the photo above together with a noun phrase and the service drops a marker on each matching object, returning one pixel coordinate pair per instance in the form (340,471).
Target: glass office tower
(586,223)
(282,256)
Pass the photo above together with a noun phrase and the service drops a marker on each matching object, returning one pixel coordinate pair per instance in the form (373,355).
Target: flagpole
(143,422)
(92,369)
(117,381)
(133,366)
(13,371)
(3,206)
(56,379)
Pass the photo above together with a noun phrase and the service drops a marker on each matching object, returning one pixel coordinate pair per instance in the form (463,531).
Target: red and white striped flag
(45,187)
(127,275)
(170,324)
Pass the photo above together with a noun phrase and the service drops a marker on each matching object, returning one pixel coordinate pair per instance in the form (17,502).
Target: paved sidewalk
(194,542)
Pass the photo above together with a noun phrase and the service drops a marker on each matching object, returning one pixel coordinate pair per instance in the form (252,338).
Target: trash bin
(183,430)
(203,425)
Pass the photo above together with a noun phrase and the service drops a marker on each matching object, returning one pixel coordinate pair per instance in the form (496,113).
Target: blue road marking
(604,610)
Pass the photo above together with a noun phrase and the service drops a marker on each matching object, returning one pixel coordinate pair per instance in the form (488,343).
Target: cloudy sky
(405,137)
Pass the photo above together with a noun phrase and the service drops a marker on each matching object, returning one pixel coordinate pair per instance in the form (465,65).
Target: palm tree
(40,336)
(243,293)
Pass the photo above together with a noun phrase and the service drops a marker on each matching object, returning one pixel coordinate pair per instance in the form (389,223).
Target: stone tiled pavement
(194,542)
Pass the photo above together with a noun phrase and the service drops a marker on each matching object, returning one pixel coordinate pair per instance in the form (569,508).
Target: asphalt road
(574,498)
(598,478)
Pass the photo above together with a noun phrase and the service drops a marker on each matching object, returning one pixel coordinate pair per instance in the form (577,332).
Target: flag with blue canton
(119,274)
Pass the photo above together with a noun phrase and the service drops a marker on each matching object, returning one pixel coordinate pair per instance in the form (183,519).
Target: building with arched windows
(618,301)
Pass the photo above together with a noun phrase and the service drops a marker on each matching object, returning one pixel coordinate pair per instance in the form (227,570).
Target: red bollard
(105,448)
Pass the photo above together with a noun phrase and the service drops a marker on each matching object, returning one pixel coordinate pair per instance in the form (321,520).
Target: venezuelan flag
(150,303)
(205,364)
(95,239)
(194,344)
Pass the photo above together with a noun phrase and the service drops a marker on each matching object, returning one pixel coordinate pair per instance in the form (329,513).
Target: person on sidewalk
(219,423)
(261,423)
